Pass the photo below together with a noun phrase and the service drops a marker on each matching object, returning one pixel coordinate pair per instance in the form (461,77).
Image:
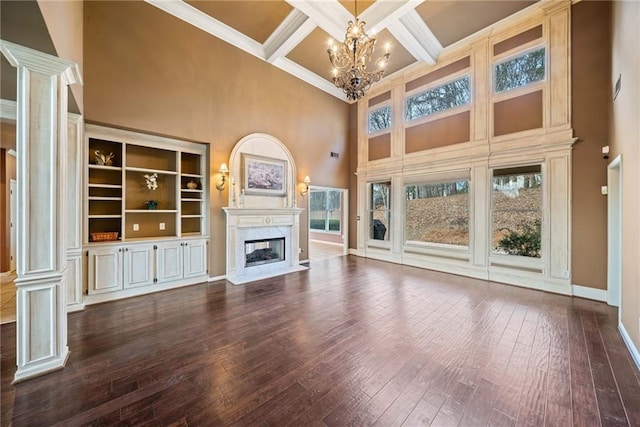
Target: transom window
(379,119)
(438,212)
(449,95)
(520,71)
(517,211)
(325,210)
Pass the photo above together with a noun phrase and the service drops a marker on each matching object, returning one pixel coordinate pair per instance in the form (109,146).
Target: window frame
(468,73)
(519,260)
(441,178)
(384,243)
(376,107)
(326,190)
(513,54)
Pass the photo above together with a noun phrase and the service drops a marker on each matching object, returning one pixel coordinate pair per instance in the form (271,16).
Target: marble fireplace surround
(245,224)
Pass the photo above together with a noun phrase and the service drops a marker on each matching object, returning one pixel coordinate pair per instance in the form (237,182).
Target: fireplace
(263,251)
(262,243)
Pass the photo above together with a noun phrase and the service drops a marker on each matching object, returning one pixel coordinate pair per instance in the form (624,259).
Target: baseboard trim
(328,243)
(356,252)
(589,293)
(635,355)
(216,278)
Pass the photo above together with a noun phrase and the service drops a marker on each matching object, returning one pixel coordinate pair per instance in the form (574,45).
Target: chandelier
(350,60)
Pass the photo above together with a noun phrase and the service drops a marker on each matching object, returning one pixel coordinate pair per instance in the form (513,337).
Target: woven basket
(106,236)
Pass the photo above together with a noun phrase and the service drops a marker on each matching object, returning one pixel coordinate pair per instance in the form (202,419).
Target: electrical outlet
(162,226)
(136,227)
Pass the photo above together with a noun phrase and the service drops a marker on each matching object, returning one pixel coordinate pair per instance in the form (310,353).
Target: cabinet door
(195,258)
(169,261)
(105,269)
(138,265)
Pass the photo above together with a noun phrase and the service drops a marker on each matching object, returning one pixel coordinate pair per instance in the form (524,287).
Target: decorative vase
(151,204)
(192,185)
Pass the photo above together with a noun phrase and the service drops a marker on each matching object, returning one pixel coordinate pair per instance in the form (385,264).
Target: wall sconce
(224,170)
(306,182)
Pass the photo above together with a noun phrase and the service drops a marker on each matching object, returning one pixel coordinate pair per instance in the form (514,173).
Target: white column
(73,213)
(41,127)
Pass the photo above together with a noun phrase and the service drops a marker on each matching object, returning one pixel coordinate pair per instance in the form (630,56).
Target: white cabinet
(178,260)
(138,265)
(113,268)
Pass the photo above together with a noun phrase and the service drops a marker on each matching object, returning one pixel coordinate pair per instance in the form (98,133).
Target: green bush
(524,242)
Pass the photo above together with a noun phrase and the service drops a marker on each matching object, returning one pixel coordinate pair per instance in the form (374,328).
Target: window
(450,95)
(517,211)
(325,210)
(380,211)
(438,213)
(519,71)
(379,119)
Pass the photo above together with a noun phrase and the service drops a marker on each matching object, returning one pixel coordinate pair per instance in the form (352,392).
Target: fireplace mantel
(245,224)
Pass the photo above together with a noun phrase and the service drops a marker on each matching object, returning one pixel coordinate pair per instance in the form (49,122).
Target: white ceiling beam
(197,18)
(383,13)
(295,27)
(411,31)
(329,15)
(309,77)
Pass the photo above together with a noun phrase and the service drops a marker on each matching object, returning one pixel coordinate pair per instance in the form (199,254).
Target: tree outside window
(379,119)
(438,213)
(325,210)
(450,95)
(517,211)
(520,71)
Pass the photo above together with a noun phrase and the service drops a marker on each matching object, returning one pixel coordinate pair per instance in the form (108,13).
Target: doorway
(614,231)
(328,225)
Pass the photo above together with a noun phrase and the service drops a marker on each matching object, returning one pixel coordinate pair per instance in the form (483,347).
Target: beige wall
(625,140)
(8,168)
(63,19)
(591,104)
(148,71)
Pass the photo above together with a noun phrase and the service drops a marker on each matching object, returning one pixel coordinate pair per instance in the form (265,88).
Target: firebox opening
(263,251)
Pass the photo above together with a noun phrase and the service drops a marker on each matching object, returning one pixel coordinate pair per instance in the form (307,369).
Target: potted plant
(151,204)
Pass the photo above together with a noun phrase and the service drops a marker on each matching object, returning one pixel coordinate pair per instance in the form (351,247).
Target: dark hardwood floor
(350,342)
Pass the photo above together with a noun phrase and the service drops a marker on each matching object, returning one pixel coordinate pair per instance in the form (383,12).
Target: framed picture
(264,176)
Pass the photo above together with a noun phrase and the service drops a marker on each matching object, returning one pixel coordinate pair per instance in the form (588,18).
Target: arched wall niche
(267,147)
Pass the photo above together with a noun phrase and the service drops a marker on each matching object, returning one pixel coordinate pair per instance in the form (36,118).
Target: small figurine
(104,160)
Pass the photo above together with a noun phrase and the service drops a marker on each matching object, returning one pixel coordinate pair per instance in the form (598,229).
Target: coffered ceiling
(294,34)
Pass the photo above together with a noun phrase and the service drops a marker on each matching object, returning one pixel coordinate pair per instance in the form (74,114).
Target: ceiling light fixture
(350,60)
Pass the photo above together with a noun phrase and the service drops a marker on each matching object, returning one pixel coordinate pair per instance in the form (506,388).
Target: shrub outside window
(438,213)
(520,71)
(379,119)
(449,95)
(380,211)
(325,210)
(517,211)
